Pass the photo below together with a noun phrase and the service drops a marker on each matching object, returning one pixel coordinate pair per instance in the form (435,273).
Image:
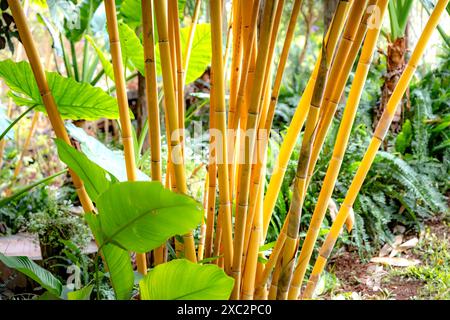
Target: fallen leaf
(411,243)
(395,262)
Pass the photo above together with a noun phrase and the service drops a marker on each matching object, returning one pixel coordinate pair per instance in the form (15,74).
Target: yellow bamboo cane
(201,237)
(295,209)
(220,124)
(379,134)
(179,68)
(151,90)
(332,99)
(252,118)
(171,107)
(212,177)
(338,153)
(280,169)
(281,65)
(34,121)
(248,286)
(291,137)
(262,133)
(124,115)
(249,33)
(190,39)
(47,97)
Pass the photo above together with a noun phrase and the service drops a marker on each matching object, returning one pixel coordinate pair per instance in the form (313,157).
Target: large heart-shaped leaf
(132,49)
(140,216)
(106,64)
(82,294)
(37,273)
(97,152)
(184,280)
(117,261)
(85,10)
(74,100)
(131,11)
(95,178)
(200,56)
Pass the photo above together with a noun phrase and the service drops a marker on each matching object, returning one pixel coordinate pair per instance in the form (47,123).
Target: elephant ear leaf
(140,216)
(184,280)
(74,100)
(96,180)
(82,294)
(117,261)
(29,268)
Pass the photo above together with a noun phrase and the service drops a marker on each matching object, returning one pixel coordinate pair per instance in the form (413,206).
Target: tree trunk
(395,65)
(329,7)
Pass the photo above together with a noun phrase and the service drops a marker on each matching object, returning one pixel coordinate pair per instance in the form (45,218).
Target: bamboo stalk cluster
(231,235)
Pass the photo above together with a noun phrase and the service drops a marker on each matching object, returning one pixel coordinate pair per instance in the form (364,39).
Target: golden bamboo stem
(251,262)
(237,102)
(291,137)
(151,90)
(220,124)
(252,120)
(47,97)
(338,153)
(122,100)
(295,209)
(267,123)
(34,121)
(190,39)
(379,134)
(179,68)
(171,108)
(201,237)
(212,177)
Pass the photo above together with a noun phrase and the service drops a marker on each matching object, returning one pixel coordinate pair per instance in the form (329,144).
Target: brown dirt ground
(372,281)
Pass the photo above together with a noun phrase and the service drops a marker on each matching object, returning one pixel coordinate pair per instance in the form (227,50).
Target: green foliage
(94,176)
(82,294)
(34,271)
(434,251)
(398,16)
(404,138)
(5,123)
(132,49)
(117,261)
(106,64)
(183,280)
(112,161)
(129,220)
(57,221)
(74,100)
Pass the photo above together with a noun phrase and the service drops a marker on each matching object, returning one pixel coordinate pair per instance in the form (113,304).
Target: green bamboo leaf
(184,280)
(117,260)
(35,272)
(74,100)
(95,178)
(140,216)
